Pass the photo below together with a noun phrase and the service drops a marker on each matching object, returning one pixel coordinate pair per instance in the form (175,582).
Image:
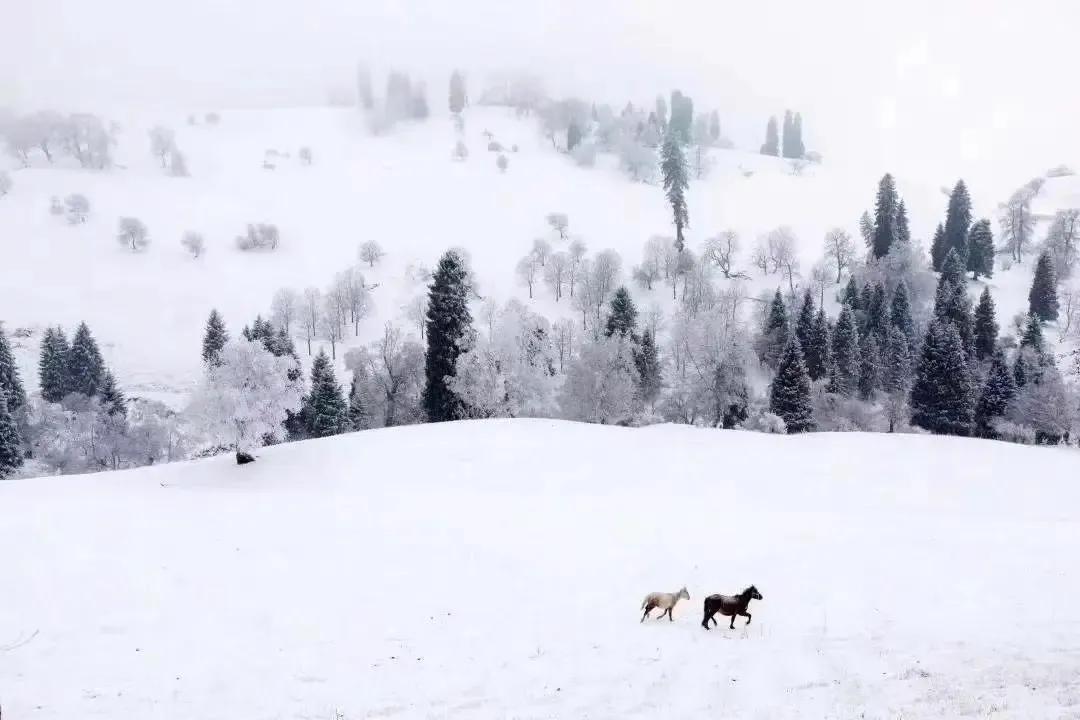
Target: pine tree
(85,366)
(788,139)
(714,126)
(112,399)
(647,360)
(1043,296)
(817,351)
(941,397)
(1020,370)
(900,315)
(777,332)
(1033,336)
(957,221)
(10,383)
(866,297)
(903,229)
(885,212)
(457,92)
(789,395)
(844,354)
(326,411)
(772,139)
(997,392)
(804,325)
(869,367)
(877,315)
(938,248)
(958,310)
(52,366)
(359,411)
(11,457)
(953,270)
(623,316)
(573,136)
(980,250)
(673,167)
(866,229)
(798,146)
(851,295)
(986,327)
(896,374)
(214,339)
(448,323)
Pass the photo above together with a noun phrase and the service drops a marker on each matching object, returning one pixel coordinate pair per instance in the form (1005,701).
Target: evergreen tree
(457,92)
(903,229)
(798,146)
(326,411)
(957,221)
(788,139)
(789,394)
(1033,336)
(448,324)
(959,311)
(573,136)
(1043,296)
(896,374)
(777,332)
(997,392)
(941,397)
(877,314)
(885,214)
(214,338)
(844,354)
(623,316)
(714,126)
(681,118)
(647,360)
(772,139)
(851,294)
(953,270)
(359,410)
(986,327)
(804,325)
(52,366)
(661,112)
(673,167)
(866,229)
(11,458)
(10,383)
(817,351)
(1020,370)
(112,399)
(900,315)
(980,250)
(938,248)
(866,297)
(85,366)
(869,367)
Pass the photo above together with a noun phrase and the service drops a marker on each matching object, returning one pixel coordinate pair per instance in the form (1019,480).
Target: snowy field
(495,569)
(148,310)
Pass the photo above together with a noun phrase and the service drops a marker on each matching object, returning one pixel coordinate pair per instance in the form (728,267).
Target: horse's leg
(648,609)
(713,618)
(732,625)
(747,616)
(669,615)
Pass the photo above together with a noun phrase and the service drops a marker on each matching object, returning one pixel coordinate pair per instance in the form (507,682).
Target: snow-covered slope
(495,569)
(402,190)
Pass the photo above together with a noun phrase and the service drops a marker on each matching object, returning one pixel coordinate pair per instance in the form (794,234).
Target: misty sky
(938,88)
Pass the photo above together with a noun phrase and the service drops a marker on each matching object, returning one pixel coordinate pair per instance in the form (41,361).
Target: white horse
(665,601)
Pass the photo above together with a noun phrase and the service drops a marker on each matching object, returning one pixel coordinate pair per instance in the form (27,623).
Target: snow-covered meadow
(495,569)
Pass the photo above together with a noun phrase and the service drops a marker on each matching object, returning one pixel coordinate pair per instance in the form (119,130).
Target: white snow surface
(495,569)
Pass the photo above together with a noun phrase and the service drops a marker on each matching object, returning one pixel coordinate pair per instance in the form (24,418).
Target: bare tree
(355,296)
(162,142)
(397,368)
(1062,239)
(559,222)
(489,312)
(132,232)
(577,252)
(528,271)
(542,250)
(721,251)
(760,257)
(310,313)
(1069,299)
(305,155)
(76,208)
(416,312)
(555,273)
(284,308)
(820,276)
(607,268)
(194,243)
(1017,221)
(840,250)
(781,246)
(563,340)
(330,319)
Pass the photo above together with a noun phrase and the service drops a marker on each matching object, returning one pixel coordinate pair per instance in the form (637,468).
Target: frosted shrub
(76,208)
(584,154)
(194,243)
(461,152)
(1060,171)
(1012,432)
(132,233)
(764,421)
(259,237)
(502,163)
(495,146)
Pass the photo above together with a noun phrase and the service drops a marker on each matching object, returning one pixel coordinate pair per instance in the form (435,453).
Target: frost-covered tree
(245,398)
(601,382)
(673,167)
(896,375)
(457,92)
(942,400)
(980,259)
(178,164)
(866,229)
(681,117)
(721,250)
(840,250)
(986,326)
(844,354)
(661,111)
(5,183)
(885,212)
(11,385)
(869,366)
(371,252)
(556,273)
(11,456)
(449,324)
(259,236)
(622,318)
(311,308)
(162,143)
(325,410)
(1017,221)
(776,333)
(637,160)
(528,271)
(997,394)
(112,398)
(1042,299)
(502,163)
(214,338)
(132,233)
(305,156)
(461,151)
(577,251)
(938,248)
(559,222)
(903,228)
(85,366)
(542,250)
(772,139)
(53,365)
(647,361)
(817,348)
(1063,241)
(781,243)
(958,221)
(84,136)
(1043,404)
(789,394)
(194,243)
(76,208)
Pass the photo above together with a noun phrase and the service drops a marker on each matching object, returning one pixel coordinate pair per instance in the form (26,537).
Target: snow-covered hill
(402,190)
(495,569)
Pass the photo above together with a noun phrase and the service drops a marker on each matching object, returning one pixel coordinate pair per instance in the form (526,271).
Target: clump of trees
(259,237)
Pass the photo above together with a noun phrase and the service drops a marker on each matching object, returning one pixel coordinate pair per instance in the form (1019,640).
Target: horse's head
(753,593)
(683,594)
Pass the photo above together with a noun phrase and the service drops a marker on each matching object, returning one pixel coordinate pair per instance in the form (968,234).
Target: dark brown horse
(730,606)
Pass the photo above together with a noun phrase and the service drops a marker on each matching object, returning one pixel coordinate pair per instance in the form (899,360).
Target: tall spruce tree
(885,213)
(326,411)
(1032,336)
(772,139)
(673,167)
(1043,299)
(11,457)
(938,248)
(953,270)
(958,311)
(359,408)
(896,374)
(789,394)
(869,367)
(10,383)
(866,229)
(112,399)
(85,366)
(986,327)
(804,324)
(647,360)
(573,136)
(777,331)
(997,392)
(903,229)
(457,92)
(850,296)
(817,351)
(622,318)
(844,354)
(448,323)
(941,397)
(787,141)
(958,221)
(1020,369)
(877,314)
(980,250)
(798,147)
(52,365)
(900,315)
(214,338)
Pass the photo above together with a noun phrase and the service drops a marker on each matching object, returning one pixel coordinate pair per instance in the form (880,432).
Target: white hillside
(498,573)
(402,190)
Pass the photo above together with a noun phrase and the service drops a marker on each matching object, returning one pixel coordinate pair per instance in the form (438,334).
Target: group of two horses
(728,605)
